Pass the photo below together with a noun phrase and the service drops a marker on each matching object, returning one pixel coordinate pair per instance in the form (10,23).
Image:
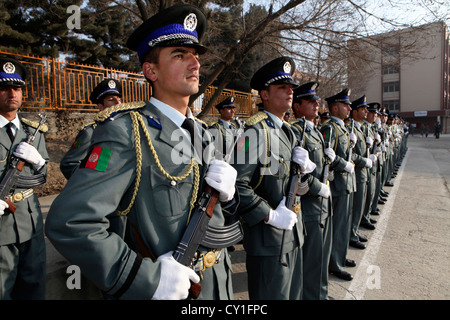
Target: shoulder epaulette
(111,112)
(83,125)
(257,117)
(213,123)
(202,123)
(34,124)
(199,120)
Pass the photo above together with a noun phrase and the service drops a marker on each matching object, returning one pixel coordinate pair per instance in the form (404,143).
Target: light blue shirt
(275,119)
(16,124)
(173,114)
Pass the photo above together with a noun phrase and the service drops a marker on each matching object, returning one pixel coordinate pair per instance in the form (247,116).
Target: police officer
(22,244)
(148,166)
(343,184)
(106,94)
(273,233)
(316,198)
(373,189)
(363,162)
(224,129)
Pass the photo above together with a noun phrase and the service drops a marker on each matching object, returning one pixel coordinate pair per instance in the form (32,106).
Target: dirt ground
(55,179)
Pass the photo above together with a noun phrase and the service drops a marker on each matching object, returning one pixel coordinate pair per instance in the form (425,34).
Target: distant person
(106,94)
(424,130)
(437,129)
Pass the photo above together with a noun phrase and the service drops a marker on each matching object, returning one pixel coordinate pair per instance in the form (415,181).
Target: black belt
(223,237)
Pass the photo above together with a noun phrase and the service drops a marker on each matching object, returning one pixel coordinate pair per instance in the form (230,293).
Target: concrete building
(407,71)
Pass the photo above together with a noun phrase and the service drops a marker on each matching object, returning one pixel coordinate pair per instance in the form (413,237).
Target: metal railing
(57,85)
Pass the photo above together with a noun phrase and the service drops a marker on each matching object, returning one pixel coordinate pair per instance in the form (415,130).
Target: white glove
(369,141)
(353,138)
(3,206)
(222,177)
(329,152)
(27,152)
(282,217)
(378,122)
(373,157)
(174,282)
(349,167)
(368,163)
(301,157)
(377,137)
(324,191)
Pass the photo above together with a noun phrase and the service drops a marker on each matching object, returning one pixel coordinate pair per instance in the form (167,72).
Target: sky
(410,12)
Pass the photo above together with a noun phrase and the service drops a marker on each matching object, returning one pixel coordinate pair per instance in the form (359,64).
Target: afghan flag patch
(98,159)
(243,144)
(76,144)
(326,135)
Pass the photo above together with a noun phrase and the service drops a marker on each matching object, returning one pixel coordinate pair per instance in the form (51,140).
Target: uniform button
(173,183)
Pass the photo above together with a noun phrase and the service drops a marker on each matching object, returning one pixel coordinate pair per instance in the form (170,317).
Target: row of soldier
(128,200)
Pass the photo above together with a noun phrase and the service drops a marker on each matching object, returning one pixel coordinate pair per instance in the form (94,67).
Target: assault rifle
(293,186)
(351,142)
(9,181)
(196,230)
(326,169)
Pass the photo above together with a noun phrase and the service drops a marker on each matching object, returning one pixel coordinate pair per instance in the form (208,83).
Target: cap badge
(190,22)
(111,84)
(287,67)
(9,67)
(232,99)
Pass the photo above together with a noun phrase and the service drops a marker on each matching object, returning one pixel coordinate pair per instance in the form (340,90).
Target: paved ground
(407,257)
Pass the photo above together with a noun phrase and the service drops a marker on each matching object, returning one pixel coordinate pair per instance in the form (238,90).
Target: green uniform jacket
(261,192)
(27,219)
(313,208)
(77,224)
(369,131)
(343,182)
(359,156)
(223,136)
(78,151)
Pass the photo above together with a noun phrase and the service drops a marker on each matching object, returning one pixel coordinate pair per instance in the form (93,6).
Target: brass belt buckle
(17,197)
(209,259)
(297,208)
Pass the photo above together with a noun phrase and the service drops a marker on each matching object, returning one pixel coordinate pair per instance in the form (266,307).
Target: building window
(392,105)
(393,86)
(390,50)
(391,69)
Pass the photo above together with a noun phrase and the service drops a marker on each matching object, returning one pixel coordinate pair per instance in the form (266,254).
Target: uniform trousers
(23,270)
(369,198)
(342,217)
(359,201)
(378,186)
(316,257)
(269,280)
